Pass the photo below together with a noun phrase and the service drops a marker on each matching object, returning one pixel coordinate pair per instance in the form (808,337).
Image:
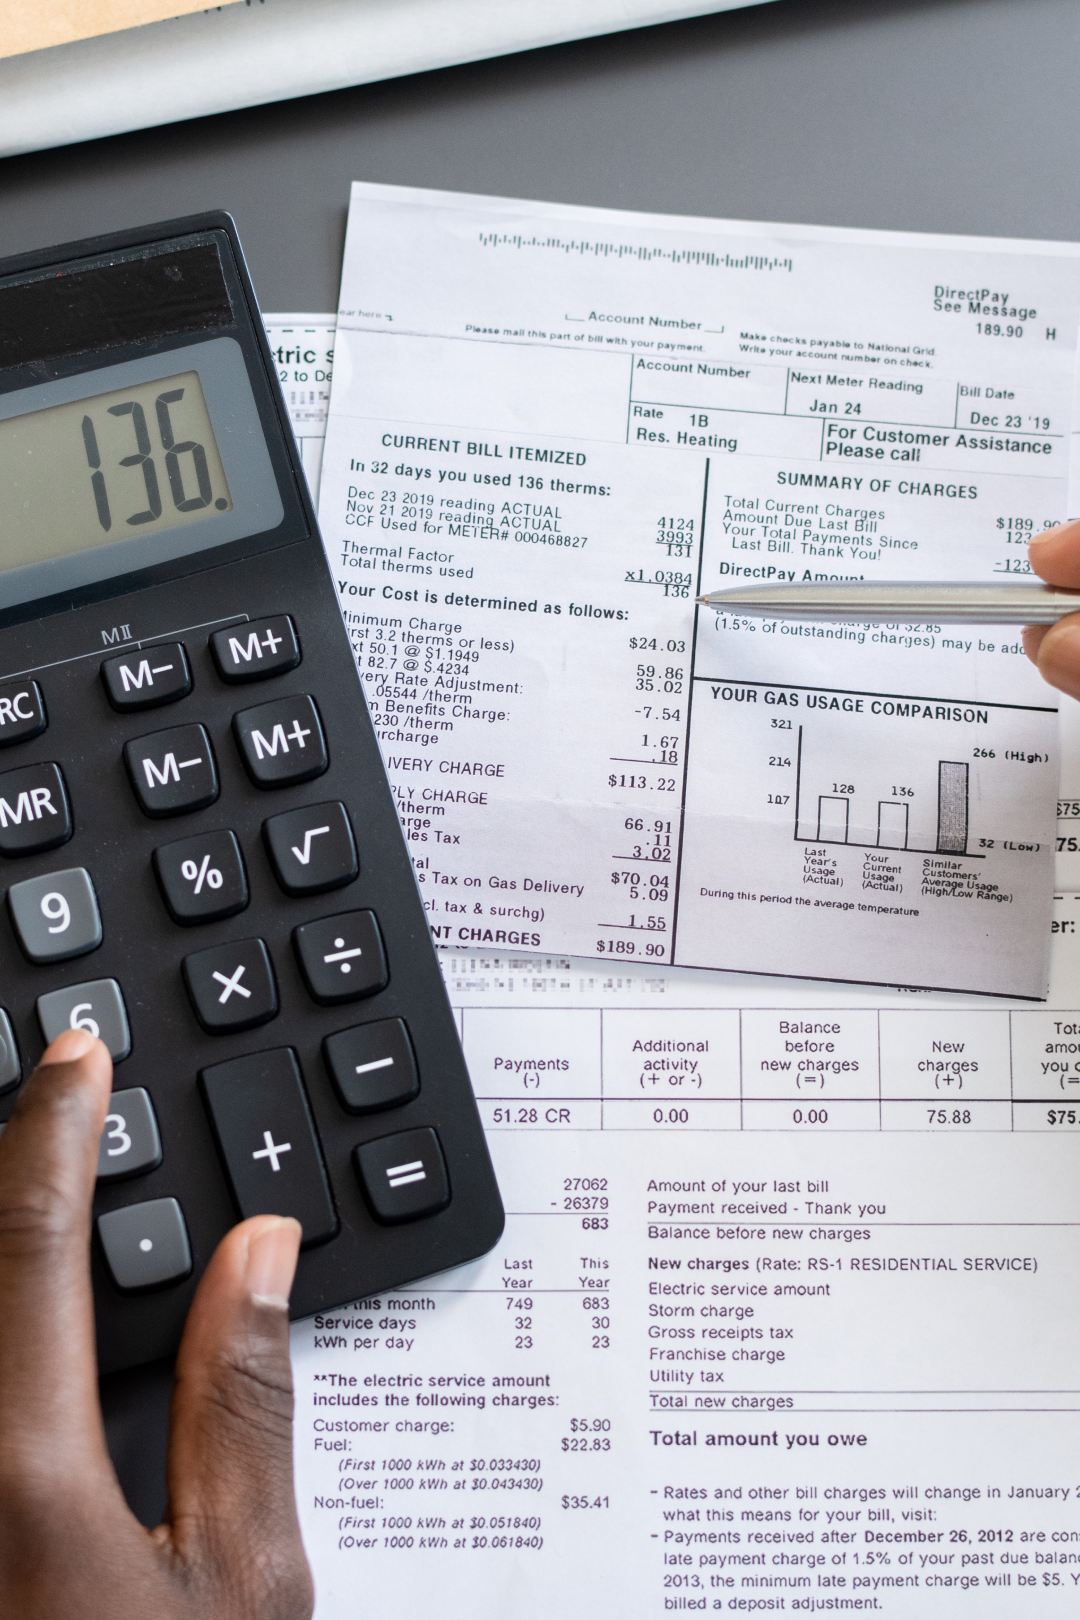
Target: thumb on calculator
(230,1546)
(1055,556)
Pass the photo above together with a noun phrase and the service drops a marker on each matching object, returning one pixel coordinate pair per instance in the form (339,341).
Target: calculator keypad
(34,811)
(260,1114)
(282,742)
(22,712)
(342,958)
(143,680)
(313,849)
(96,1006)
(257,649)
(56,915)
(232,986)
(130,1140)
(145,1245)
(202,879)
(173,771)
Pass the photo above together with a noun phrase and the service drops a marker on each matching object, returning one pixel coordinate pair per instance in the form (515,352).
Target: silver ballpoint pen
(920,602)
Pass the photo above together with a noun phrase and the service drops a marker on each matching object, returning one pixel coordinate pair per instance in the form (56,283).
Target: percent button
(202,879)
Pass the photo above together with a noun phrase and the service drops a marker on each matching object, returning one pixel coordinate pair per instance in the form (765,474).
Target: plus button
(271,1150)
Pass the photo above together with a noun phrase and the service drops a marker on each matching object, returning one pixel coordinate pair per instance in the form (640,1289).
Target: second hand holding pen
(916,601)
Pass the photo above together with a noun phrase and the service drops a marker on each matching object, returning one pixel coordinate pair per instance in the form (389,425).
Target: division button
(403,1176)
(96,1006)
(264,1129)
(10,1067)
(202,879)
(252,651)
(56,915)
(172,771)
(342,958)
(313,849)
(34,810)
(130,1143)
(231,986)
(373,1066)
(142,680)
(145,1245)
(281,742)
(22,712)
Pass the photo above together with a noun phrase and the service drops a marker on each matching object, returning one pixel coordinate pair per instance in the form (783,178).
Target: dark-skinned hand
(70,1549)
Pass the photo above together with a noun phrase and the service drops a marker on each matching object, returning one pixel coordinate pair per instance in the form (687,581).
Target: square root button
(145,1245)
(260,1115)
(403,1176)
(313,849)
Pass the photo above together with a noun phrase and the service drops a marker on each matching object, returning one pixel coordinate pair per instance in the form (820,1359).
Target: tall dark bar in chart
(952,815)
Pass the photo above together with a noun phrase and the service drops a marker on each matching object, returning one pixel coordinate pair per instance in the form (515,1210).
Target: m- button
(252,651)
(142,680)
(172,771)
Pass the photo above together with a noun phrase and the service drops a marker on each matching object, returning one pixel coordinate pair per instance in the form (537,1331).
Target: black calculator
(199,850)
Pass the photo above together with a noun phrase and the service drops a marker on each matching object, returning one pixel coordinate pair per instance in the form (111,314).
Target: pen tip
(702,601)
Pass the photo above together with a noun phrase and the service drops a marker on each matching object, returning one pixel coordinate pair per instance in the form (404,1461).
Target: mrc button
(142,680)
(22,712)
(34,810)
(251,652)
(403,1176)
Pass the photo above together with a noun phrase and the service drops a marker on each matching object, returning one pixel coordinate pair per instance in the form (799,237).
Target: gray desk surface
(926,115)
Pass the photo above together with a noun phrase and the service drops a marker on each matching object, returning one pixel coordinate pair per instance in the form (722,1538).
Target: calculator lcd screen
(140,458)
(121,468)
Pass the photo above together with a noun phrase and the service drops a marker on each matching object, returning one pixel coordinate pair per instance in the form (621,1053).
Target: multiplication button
(56,915)
(342,958)
(313,849)
(145,679)
(145,1245)
(172,771)
(202,879)
(231,986)
(34,811)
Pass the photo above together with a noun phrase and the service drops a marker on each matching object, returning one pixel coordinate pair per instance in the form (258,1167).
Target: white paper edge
(245,55)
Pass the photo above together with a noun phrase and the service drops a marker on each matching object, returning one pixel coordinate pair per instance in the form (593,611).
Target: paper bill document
(549,429)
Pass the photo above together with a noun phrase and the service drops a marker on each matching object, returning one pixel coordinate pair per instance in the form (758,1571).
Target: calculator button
(202,879)
(313,849)
(145,1245)
(96,1006)
(22,712)
(372,1066)
(232,986)
(281,742)
(342,958)
(142,680)
(251,652)
(10,1067)
(56,915)
(130,1143)
(172,771)
(34,810)
(263,1126)
(403,1176)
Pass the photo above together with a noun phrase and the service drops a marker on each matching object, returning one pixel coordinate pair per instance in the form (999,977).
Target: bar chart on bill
(811,814)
